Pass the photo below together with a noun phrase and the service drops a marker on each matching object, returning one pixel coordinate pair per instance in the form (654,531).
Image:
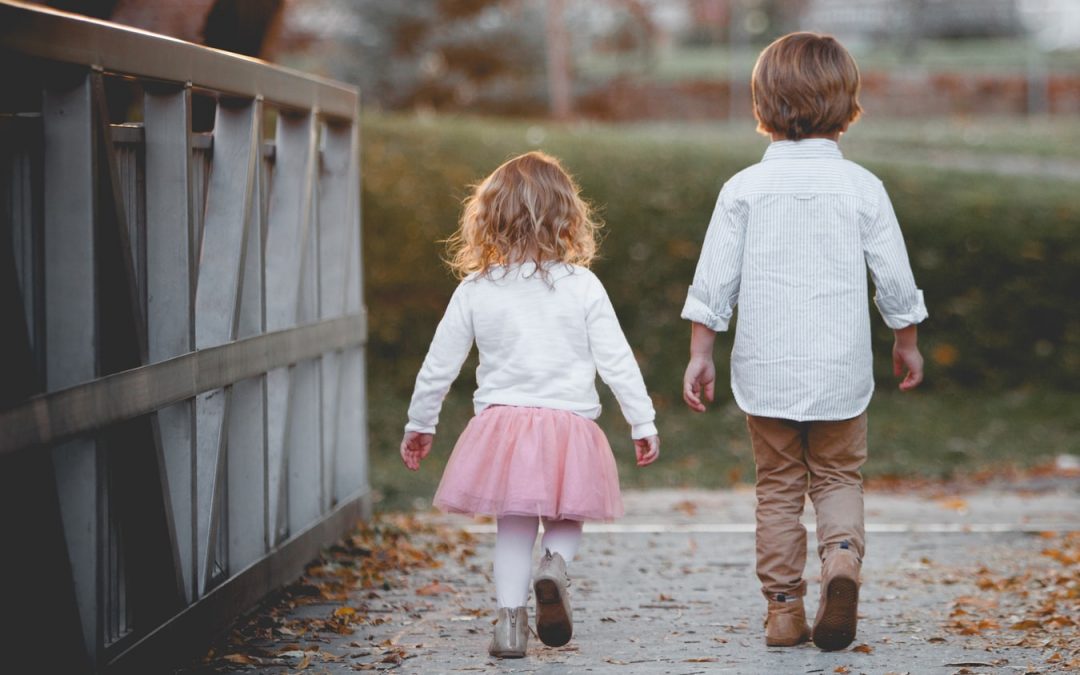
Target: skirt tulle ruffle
(531,462)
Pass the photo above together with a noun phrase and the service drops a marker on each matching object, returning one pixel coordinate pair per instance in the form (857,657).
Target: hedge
(998,258)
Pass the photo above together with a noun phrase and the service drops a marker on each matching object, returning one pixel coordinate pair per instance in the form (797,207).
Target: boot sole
(507,654)
(836,629)
(787,643)
(553,626)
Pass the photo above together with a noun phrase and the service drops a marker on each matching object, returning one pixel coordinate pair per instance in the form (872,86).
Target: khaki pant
(792,457)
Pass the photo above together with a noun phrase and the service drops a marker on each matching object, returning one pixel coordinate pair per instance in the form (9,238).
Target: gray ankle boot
(511,633)
(554,620)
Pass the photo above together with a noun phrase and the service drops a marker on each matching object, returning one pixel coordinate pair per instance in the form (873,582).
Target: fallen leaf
(863,649)
(686,506)
(304,662)
(841,669)
(241,659)
(953,503)
(1026,624)
(434,588)
(702,659)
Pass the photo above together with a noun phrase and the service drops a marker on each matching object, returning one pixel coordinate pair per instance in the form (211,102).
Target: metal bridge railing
(183,326)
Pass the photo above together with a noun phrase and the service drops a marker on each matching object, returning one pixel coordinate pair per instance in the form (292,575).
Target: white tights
(513,553)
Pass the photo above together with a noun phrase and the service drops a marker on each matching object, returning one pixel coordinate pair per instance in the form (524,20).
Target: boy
(789,241)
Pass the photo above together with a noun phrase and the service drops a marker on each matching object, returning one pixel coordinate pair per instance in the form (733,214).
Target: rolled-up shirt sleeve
(897,298)
(712,298)
(449,348)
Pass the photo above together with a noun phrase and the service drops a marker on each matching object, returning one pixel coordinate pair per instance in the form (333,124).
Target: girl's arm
(449,348)
(616,363)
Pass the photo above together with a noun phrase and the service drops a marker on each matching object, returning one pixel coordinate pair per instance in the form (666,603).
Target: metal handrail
(186,312)
(70,38)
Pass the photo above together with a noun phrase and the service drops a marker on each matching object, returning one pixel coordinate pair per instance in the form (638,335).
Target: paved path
(670,589)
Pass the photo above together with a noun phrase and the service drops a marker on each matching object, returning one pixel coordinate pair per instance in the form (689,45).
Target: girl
(544,326)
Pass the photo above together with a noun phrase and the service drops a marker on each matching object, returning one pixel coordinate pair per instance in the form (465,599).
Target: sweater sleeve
(615,362)
(451,345)
(896,296)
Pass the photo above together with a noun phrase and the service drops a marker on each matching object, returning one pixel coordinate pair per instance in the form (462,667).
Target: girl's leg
(513,559)
(562,537)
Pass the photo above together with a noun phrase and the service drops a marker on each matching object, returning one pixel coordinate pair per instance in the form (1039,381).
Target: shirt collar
(807,148)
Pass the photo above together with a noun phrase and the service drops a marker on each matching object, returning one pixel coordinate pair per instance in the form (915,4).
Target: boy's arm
(700,373)
(712,298)
(896,296)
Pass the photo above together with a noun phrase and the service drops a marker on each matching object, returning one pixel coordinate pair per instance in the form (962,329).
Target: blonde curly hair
(528,210)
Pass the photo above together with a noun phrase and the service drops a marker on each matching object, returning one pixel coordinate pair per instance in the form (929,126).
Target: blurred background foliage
(972,120)
(997,256)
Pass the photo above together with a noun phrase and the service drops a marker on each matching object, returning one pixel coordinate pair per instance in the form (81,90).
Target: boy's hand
(414,447)
(905,354)
(700,377)
(647,450)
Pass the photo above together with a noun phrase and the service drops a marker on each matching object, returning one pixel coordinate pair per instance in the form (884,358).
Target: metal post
(170,292)
(246,452)
(217,301)
(71,322)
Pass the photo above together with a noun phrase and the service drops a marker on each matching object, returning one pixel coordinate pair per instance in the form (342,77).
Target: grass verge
(937,435)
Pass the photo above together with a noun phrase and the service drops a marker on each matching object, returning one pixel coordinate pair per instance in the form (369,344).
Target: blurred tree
(446,54)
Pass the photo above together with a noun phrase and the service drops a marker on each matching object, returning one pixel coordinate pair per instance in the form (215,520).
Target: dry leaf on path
(434,588)
(241,659)
(686,506)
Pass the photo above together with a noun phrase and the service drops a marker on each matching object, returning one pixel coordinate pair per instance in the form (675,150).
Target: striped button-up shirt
(789,243)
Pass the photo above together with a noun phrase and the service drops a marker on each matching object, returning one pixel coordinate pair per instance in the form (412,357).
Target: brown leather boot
(785,625)
(838,612)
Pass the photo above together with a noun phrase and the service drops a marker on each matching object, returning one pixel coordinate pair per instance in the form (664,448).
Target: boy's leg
(836,453)
(779,455)
(513,559)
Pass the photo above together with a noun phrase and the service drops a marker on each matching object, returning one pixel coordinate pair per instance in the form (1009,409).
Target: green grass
(964,56)
(875,141)
(924,434)
(997,257)
(1036,137)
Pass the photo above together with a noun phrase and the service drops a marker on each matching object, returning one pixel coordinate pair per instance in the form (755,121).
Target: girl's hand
(647,450)
(699,382)
(414,447)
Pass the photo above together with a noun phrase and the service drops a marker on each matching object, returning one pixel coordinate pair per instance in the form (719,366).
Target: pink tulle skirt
(531,462)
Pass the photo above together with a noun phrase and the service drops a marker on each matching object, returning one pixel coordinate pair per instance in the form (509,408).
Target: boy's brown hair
(805,84)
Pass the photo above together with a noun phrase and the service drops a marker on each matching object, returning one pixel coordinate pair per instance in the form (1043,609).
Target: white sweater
(541,344)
